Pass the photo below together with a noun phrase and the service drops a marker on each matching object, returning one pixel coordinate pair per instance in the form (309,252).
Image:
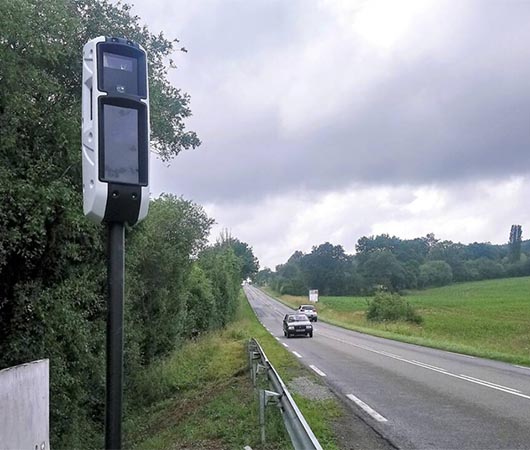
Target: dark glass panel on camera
(121,144)
(120,74)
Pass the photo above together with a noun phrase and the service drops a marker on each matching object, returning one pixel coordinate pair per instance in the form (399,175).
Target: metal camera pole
(115,153)
(115,280)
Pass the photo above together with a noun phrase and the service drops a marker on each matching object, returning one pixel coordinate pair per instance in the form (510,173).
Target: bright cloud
(327,120)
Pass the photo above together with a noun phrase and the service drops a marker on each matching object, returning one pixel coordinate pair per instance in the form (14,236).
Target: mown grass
(485,318)
(202,396)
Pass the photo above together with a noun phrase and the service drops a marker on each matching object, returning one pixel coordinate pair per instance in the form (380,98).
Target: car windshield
(298,318)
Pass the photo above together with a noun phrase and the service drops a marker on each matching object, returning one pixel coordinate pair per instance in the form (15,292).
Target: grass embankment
(202,396)
(485,318)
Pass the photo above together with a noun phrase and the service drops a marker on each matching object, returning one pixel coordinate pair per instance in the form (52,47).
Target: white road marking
(488,383)
(285,345)
(522,367)
(463,377)
(367,408)
(428,366)
(277,338)
(317,370)
(467,378)
(460,354)
(297,354)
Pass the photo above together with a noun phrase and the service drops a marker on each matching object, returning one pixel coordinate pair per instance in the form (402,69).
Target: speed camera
(115,131)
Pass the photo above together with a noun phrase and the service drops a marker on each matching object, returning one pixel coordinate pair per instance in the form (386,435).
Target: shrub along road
(415,396)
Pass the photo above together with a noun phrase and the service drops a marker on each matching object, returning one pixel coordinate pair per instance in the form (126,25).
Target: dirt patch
(307,388)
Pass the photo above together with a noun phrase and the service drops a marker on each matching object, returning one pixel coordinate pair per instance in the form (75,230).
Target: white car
(310,311)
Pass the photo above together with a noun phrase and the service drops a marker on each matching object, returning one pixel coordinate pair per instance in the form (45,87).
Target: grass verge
(490,319)
(202,397)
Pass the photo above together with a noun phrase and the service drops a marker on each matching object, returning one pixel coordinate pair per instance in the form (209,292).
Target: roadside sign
(313,295)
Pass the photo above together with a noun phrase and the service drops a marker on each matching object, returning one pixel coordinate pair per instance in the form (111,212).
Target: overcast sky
(328,120)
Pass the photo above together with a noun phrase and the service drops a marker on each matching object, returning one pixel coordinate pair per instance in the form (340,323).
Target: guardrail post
(301,435)
(265,397)
(262,415)
(254,357)
(257,369)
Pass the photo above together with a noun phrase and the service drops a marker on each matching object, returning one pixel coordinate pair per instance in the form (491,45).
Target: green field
(202,397)
(486,318)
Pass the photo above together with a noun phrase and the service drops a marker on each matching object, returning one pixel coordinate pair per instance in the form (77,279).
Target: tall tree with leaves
(51,259)
(249,263)
(516,237)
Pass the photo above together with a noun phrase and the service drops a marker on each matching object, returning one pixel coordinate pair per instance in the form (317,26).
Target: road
(417,397)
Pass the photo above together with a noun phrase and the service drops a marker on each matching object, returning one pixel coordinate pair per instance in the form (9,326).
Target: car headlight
(309,326)
(291,328)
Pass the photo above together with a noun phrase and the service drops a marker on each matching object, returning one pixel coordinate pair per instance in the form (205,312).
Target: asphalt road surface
(416,397)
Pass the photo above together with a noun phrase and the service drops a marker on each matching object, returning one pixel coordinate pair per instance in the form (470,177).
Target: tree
(223,269)
(289,278)
(264,277)
(249,263)
(404,250)
(51,259)
(160,254)
(366,245)
(381,268)
(327,268)
(435,273)
(516,235)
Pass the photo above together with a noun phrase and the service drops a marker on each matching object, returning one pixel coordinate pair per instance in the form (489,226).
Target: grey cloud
(459,110)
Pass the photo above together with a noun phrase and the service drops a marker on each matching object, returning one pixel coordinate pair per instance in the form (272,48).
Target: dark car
(297,325)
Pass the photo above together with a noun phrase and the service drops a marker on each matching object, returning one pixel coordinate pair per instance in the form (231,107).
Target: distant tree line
(396,264)
(52,260)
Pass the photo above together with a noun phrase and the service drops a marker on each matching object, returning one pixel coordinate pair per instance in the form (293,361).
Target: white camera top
(115,131)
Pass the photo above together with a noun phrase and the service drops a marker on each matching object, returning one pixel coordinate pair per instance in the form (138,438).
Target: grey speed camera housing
(115,131)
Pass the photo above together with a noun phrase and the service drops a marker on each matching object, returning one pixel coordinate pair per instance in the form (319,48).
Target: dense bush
(388,307)
(52,260)
(160,254)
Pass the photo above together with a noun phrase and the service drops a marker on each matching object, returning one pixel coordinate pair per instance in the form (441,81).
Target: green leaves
(387,307)
(52,260)
(160,254)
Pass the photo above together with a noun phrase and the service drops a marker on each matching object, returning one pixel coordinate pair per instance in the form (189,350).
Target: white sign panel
(313,295)
(24,407)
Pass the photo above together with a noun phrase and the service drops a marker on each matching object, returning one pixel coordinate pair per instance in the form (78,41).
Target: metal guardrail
(302,437)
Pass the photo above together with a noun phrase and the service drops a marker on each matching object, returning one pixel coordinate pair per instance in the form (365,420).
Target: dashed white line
(522,367)
(489,383)
(297,354)
(277,338)
(317,370)
(367,408)
(285,345)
